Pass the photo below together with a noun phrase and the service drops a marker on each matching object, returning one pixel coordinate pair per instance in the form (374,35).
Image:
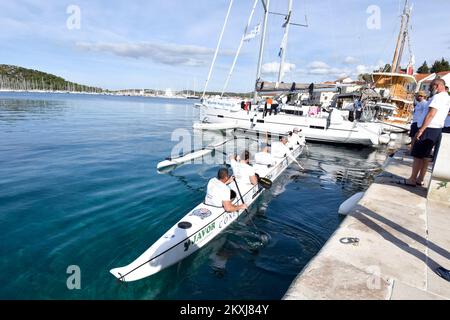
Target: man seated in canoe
(296,138)
(219,195)
(268,155)
(244,173)
(264,157)
(280,149)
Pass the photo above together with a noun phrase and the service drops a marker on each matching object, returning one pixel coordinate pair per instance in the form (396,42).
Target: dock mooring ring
(348,240)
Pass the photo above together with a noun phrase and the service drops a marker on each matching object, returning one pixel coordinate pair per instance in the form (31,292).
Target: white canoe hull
(206,223)
(184,159)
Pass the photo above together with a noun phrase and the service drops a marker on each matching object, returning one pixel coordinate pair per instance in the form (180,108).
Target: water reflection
(15,110)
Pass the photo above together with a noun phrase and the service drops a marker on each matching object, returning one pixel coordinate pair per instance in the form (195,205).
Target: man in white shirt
(429,132)
(295,138)
(280,149)
(218,194)
(245,174)
(264,157)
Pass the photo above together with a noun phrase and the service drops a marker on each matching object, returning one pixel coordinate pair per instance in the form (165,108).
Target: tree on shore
(423,68)
(440,65)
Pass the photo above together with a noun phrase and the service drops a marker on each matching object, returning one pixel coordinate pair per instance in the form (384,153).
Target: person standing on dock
(268,107)
(429,134)
(420,111)
(244,173)
(358,108)
(218,194)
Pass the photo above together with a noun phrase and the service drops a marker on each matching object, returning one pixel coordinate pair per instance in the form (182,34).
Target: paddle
(289,154)
(240,195)
(264,182)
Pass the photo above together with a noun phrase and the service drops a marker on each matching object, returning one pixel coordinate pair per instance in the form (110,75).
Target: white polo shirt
(441,102)
(278,149)
(296,139)
(264,158)
(242,172)
(216,193)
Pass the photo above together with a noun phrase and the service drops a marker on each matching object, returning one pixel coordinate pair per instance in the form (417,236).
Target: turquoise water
(78,186)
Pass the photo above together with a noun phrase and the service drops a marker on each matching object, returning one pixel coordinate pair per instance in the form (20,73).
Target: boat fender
(349,240)
(350,203)
(384,138)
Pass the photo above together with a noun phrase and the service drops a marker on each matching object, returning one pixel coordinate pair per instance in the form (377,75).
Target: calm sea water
(78,186)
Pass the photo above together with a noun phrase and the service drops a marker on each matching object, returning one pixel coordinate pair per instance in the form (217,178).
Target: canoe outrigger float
(199,226)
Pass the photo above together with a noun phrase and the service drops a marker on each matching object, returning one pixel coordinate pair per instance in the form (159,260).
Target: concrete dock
(390,244)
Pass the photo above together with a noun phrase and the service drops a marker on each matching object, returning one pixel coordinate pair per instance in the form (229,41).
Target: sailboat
(396,87)
(321,125)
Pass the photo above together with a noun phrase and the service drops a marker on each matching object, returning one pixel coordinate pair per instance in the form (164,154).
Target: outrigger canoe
(198,227)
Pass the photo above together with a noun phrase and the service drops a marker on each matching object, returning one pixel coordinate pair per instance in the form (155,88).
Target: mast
(217,48)
(240,47)
(402,35)
(284,43)
(261,47)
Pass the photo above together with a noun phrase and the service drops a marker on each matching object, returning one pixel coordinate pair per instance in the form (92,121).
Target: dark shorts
(446,130)
(422,148)
(413,130)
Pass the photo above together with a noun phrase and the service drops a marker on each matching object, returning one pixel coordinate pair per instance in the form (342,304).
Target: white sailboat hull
(314,128)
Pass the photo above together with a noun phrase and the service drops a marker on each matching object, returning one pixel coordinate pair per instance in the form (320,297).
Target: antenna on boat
(217,48)
(261,47)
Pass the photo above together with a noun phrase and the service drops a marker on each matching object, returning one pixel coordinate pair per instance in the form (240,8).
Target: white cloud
(274,67)
(322,68)
(318,65)
(350,60)
(165,53)
(362,69)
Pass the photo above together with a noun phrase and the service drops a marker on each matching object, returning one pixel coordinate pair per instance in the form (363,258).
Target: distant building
(168,92)
(344,80)
(346,84)
(424,80)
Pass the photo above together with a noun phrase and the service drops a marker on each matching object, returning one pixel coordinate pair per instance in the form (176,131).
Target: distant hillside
(18,78)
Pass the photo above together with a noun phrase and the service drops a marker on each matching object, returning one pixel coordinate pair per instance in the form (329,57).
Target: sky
(170,44)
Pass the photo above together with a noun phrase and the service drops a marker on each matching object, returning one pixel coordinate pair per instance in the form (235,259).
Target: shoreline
(92,93)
